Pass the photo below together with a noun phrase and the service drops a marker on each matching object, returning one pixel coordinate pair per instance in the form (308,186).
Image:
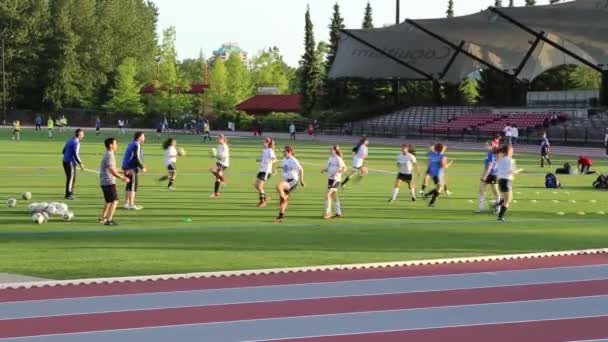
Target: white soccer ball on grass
(69,216)
(26,196)
(214,152)
(181,152)
(38,218)
(11,203)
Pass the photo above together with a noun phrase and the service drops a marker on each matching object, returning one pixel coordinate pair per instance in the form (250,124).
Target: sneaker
(336,217)
(279,220)
(327,216)
(127,207)
(101,219)
(448,193)
(69,198)
(263,203)
(391,201)
(111,223)
(136,207)
(215,195)
(414,199)
(431,205)
(421,192)
(171,188)
(501,219)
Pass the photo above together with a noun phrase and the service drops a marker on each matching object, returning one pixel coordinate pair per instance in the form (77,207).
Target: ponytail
(337,150)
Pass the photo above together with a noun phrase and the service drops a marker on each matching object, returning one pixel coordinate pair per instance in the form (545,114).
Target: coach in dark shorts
(107,179)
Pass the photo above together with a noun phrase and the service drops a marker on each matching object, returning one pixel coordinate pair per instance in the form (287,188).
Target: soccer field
(231,233)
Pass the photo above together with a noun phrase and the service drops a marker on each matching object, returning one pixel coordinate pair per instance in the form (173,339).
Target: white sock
(395,193)
(482,202)
(338,208)
(327,207)
(413,191)
(498,199)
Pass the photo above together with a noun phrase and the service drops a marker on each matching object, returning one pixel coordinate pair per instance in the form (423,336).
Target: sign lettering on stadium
(412,56)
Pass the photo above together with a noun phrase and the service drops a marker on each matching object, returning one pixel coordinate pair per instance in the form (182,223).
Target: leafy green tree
(218,91)
(530,2)
(269,68)
(368,18)
(586,78)
(125,96)
(239,80)
(310,71)
(450,11)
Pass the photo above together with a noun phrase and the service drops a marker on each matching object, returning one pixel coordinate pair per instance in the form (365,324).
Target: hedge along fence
(273,122)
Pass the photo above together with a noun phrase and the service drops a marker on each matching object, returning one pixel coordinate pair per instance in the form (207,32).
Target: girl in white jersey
(222,163)
(406,161)
(266,162)
(506,171)
(293,174)
(170,162)
(359,156)
(334,170)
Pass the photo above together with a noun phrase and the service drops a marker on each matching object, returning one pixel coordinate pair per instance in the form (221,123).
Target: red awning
(262,104)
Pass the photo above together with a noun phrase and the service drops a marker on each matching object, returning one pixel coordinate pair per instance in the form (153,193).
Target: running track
(554,298)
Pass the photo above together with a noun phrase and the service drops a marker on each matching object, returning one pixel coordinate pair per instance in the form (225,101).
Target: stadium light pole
(3,84)
(396,83)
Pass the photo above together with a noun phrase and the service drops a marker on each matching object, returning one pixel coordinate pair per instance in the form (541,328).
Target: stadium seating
(488,123)
(420,116)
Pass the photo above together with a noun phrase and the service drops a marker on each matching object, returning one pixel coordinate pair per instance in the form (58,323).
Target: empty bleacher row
(491,123)
(421,116)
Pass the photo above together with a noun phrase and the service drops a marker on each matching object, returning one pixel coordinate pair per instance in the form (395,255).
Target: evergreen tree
(530,2)
(332,86)
(309,81)
(337,24)
(450,11)
(239,80)
(368,19)
(511,4)
(125,96)
(497,3)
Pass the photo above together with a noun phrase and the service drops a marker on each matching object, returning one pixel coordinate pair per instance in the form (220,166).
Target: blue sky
(257,24)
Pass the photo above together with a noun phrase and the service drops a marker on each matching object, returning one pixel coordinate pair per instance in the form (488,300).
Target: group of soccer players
(498,173)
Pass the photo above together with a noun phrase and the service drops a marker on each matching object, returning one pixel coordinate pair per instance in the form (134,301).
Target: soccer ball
(26,196)
(51,209)
(38,218)
(46,217)
(62,208)
(181,152)
(214,152)
(69,216)
(11,203)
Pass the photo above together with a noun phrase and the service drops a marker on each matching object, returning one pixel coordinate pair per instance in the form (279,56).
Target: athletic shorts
(97,129)
(293,184)
(171,167)
(491,180)
(544,152)
(358,164)
(505,185)
(221,167)
(438,180)
(405,177)
(332,184)
(264,176)
(133,181)
(109,193)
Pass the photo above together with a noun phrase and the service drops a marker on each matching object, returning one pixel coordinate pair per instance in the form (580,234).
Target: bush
(279,122)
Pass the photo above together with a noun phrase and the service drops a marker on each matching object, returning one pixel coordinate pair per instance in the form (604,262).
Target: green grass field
(231,233)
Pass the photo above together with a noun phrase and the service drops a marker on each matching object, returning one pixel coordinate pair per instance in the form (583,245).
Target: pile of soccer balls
(42,212)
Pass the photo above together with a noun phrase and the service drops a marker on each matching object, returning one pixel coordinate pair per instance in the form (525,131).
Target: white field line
(513,257)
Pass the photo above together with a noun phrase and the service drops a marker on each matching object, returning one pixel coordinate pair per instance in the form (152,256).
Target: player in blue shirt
(71,158)
(98,126)
(437,163)
(132,165)
(489,177)
(38,122)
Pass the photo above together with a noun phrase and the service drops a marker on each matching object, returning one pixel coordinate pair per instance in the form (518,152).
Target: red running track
(243,315)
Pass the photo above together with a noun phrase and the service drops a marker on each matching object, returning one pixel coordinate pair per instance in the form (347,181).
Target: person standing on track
(293,174)
(506,171)
(132,165)
(71,158)
(334,170)
(292,131)
(265,172)
(107,179)
(545,151)
(489,177)
(222,163)
(206,130)
(38,122)
(360,153)
(405,163)
(98,126)
(17,130)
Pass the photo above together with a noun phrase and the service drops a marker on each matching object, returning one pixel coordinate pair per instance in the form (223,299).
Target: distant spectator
(311,130)
(292,131)
(121,126)
(508,132)
(38,122)
(98,126)
(165,124)
(515,134)
(206,130)
(159,128)
(606,141)
(546,123)
(584,165)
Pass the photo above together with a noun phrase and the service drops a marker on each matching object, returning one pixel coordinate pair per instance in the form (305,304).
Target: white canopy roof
(520,41)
